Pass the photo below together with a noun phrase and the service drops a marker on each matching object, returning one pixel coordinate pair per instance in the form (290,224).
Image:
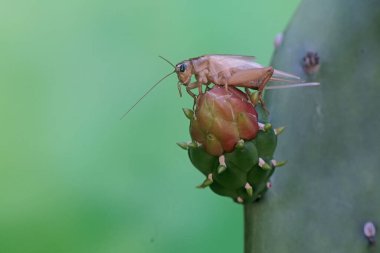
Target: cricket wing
(233,56)
(218,63)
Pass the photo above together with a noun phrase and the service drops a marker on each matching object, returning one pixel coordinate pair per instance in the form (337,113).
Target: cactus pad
(330,189)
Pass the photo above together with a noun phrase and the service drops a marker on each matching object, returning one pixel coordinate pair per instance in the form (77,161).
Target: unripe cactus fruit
(229,145)
(222,118)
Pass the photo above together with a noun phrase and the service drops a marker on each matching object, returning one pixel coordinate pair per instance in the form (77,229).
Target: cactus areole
(230,146)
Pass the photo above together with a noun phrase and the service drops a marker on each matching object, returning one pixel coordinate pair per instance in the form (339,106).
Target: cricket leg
(254,78)
(223,78)
(201,78)
(255,99)
(192,86)
(200,89)
(263,83)
(249,95)
(226,86)
(265,78)
(251,78)
(188,90)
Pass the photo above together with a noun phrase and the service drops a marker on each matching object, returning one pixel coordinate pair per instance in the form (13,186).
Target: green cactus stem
(330,188)
(249,215)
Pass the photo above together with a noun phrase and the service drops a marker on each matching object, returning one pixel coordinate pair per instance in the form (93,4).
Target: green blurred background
(73,177)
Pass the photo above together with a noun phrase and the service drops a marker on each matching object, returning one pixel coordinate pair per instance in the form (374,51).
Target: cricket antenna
(166,60)
(146,93)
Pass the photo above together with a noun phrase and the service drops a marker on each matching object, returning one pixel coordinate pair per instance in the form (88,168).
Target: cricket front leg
(223,78)
(192,86)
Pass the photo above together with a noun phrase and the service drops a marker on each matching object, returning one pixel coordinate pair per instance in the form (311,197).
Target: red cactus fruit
(223,117)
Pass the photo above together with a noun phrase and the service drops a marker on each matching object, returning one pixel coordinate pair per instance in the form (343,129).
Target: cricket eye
(182,67)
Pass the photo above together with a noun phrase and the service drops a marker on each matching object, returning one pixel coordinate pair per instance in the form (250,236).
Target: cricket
(227,70)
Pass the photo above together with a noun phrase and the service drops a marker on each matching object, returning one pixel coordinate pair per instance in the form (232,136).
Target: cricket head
(184,72)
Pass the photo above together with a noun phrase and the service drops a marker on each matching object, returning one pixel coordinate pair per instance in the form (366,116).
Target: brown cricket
(227,70)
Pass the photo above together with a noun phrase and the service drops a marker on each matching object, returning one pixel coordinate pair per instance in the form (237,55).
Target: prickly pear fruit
(223,118)
(229,145)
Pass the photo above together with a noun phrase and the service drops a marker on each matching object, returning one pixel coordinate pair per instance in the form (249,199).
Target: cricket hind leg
(255,100)
(263,82)
(253,78)
(249,96)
